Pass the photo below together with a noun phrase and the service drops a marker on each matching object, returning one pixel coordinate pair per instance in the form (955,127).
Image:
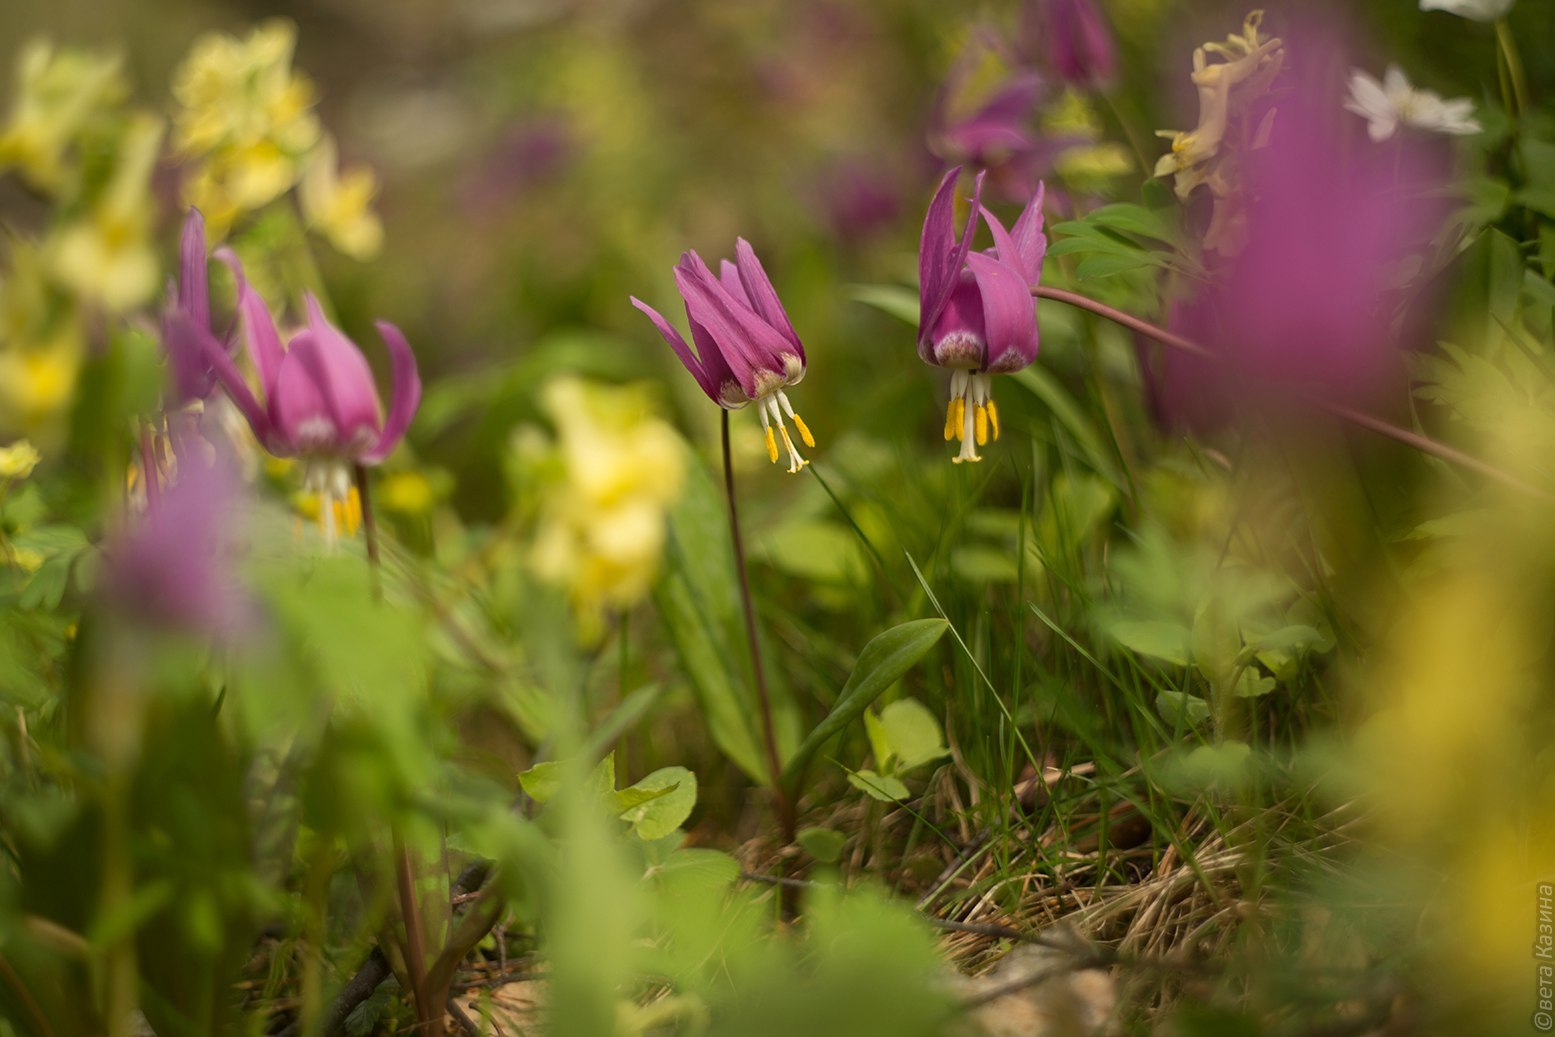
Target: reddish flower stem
(1416,440)
(784,806)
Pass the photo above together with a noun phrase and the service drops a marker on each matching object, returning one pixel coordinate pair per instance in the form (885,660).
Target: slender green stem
(1514,67)
(1416,440)
(430,1015)
(785,806)
(369,529)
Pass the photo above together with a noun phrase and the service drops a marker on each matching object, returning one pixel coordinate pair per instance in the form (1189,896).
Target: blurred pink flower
(1315,302)
(174,568)
(746,347)
(858,199)
(189,297)
(976,315)
(1073,40)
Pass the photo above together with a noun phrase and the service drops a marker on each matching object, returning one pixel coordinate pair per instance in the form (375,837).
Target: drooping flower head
(1476,10)
(746,347)
(976,314)
(189,296)
(320,402)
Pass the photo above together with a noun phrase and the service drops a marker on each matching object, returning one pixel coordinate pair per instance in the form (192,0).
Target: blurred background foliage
(1255,714)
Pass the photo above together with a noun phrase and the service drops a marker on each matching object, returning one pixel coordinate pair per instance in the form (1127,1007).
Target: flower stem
(369,529)
(785,807)
(1514,67)
(1418,441)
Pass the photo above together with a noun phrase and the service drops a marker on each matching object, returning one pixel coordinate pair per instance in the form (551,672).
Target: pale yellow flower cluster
(1210,154)
(58,94)
(245,119)
(603,517)
(41,345)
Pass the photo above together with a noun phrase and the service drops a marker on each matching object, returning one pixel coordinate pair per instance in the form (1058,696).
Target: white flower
(1478,10)
(1393,101)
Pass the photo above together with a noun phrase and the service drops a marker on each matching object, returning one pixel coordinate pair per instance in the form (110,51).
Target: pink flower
(173,569)
(746,347)
(976,314)
(1073,39)
(320,402)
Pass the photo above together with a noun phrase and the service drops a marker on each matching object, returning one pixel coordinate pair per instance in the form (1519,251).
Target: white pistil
(968,420)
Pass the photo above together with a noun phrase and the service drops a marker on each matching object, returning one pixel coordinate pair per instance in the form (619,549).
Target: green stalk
(781,801)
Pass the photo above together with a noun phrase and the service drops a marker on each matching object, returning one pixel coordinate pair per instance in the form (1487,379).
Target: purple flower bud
(746,347)
(976,313)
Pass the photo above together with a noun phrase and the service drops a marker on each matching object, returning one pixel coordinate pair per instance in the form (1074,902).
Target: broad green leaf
(697,599)
(879,744)
(878,786)
(913,734)
(824,844)
(542,781)
(675,794)
(1176,707)
(694,869)
(1168,642)
(881,664)
(1251,684)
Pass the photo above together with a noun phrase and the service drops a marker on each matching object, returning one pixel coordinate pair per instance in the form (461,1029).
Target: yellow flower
(18,460)
(340,205)
(41,346)
(602,522)
(247,117)
(408,493)
(106,254)
(57,94)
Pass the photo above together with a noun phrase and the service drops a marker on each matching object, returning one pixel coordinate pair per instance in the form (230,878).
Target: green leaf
(1068,414)
(694,870)
(675,795)
(1169,642)
(1134,219)
(1093,267)
(1251,684)
(893,299)
(1176,706)
(879,744)
(824,844)
(913,734)
(881,664)
(542,781)
(878,786)
(697,599)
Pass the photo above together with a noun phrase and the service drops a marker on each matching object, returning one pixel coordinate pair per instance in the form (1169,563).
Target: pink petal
(406,396)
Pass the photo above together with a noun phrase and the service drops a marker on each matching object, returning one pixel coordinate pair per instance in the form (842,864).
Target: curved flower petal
(940,255)
(406,395)
(700,370)
(1030,241)
(745,340)
(760,294)
(325,400)
(1009,315)
(263,341)
(194,296)
(185,338)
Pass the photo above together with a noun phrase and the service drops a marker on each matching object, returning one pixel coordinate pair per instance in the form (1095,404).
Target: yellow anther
(804,431)
(952,426)
(771,445)
(980,413)
(993,418)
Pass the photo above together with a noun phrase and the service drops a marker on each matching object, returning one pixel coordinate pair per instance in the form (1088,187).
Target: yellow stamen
(771,445)
(993,418)
(804,431)
(950,421)
(981,414)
